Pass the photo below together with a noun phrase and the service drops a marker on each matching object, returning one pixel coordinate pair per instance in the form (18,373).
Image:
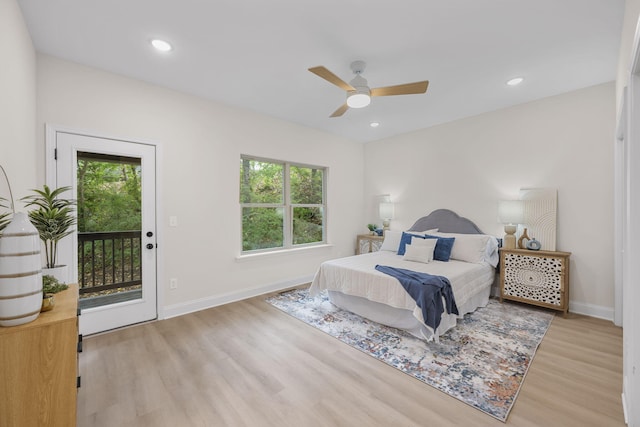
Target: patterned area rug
(482,361)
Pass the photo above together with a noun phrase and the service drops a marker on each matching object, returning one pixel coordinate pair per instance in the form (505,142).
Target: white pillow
(420,250)
(433,230)
(492,255)
(392,239)
(470,247)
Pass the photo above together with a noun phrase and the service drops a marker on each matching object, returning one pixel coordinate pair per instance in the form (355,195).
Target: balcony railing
(109,260)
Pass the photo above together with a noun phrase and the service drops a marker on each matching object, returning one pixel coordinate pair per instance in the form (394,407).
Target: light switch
(173,221)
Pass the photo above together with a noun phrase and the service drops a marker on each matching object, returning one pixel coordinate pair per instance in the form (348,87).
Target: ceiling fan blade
(405,89)
(340,111)
(320,71)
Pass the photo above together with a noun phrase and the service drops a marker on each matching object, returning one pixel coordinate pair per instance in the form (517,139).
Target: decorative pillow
(491,254)
(391,241)
(430,231)
(443,247)
(392,238)
(476,248)
(406,240)
(421,250)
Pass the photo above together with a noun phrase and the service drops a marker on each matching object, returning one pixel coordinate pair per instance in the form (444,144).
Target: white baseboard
(179,309)
(592,310)
(214,301)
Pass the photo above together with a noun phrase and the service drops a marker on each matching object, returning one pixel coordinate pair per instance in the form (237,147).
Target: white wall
(562,142)
(201,142)
(17,102)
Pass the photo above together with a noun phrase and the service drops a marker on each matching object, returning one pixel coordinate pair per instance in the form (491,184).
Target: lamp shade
(510,212)
(386,210)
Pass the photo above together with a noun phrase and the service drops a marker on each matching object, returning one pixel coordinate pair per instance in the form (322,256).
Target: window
(283,204)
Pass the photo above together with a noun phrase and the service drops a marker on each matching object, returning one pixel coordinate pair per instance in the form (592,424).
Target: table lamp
(385,209)
(510,213)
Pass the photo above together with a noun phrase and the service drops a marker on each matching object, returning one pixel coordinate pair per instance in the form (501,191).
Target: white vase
(20,272)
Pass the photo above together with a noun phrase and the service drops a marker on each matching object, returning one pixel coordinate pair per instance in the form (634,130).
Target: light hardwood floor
(249,364)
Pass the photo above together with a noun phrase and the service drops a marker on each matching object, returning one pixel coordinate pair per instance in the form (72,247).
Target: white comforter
(356,276)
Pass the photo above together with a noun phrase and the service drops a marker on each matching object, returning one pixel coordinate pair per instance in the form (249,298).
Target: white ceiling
(255,53)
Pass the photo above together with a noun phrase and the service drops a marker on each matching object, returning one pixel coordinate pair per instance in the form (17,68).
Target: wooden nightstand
(535,277)
(368,243)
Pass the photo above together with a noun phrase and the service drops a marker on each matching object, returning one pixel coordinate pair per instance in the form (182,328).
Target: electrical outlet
(173,283)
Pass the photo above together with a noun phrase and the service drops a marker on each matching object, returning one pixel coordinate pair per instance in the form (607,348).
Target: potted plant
(50,287)
(5,217)
(372,228)
(53,218)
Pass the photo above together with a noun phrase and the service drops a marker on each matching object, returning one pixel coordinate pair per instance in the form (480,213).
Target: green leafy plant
(372,227)
(53,218)
(5,217)
(51,285)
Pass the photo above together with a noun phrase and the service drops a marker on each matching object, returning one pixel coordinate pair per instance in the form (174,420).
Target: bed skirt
(406,319)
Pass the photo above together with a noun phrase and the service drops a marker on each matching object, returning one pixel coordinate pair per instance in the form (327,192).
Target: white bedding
(353,281)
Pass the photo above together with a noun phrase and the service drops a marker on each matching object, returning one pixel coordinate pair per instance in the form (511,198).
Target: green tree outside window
(283,204)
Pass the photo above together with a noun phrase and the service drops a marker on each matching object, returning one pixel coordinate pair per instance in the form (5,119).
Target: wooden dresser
(39,367)
(535,277)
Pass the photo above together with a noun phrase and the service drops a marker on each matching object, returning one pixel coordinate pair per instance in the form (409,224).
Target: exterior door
(112,254)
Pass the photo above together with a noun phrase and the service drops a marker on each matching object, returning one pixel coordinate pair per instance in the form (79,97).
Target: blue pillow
(442,252)
(406,240)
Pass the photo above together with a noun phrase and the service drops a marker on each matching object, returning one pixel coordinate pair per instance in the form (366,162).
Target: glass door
(113,252)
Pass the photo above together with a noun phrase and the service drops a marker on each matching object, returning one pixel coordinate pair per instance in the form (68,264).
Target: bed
(355,285)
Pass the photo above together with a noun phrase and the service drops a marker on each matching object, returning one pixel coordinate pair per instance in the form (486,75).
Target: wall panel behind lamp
(540,208)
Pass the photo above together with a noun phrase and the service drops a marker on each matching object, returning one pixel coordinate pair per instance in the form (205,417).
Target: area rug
(482,361)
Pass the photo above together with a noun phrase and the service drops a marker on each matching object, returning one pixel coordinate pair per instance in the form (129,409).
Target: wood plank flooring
(249,364)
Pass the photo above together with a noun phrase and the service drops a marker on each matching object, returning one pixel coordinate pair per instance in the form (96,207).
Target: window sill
(268,254)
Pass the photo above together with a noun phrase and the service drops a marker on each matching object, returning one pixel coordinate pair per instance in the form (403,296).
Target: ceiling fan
(358,92)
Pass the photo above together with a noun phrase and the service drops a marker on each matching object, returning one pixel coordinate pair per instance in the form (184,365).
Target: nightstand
(535,277)
(39,367)
(368,243)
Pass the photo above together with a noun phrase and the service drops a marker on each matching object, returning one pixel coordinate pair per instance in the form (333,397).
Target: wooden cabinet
(39,367)
(535,277)
(368,243)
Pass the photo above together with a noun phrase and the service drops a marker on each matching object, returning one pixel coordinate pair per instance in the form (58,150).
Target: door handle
(149,233)
(149,245)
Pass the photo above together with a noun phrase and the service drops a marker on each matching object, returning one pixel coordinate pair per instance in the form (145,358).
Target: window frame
(287,206)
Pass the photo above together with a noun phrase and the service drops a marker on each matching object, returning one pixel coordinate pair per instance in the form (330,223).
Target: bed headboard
(446,221)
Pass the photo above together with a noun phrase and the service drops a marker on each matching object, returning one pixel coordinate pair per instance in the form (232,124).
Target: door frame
(627,227)
(50,179)
(620,223)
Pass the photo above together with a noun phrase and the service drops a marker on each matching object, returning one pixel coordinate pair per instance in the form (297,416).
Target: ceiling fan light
(358,100)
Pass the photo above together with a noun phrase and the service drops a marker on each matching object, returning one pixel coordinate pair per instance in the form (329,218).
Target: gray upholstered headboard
(446,221)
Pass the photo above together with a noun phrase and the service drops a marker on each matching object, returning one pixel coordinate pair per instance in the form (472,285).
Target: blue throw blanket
(427,290)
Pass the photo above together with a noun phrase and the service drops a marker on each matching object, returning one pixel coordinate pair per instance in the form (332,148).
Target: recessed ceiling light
(161,45)
(374,124)
(515,81)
